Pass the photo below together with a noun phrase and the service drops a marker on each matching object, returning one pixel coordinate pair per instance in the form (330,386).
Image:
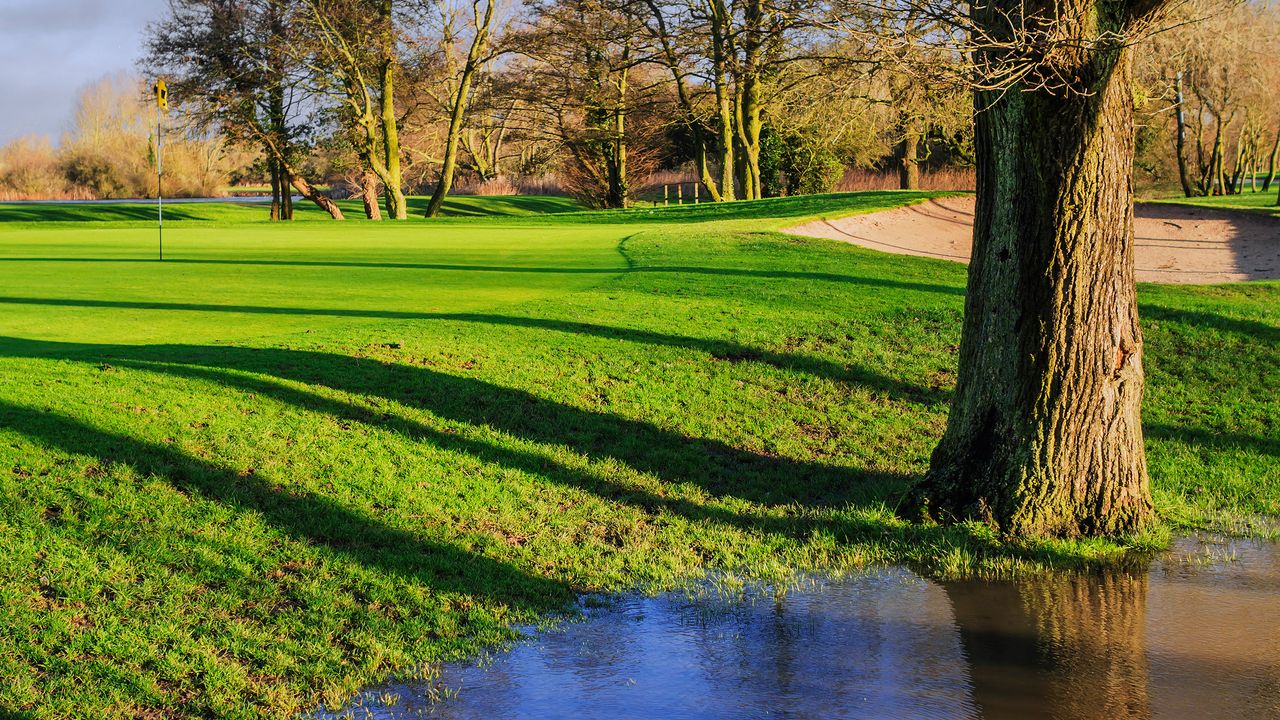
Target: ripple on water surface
(1196,636)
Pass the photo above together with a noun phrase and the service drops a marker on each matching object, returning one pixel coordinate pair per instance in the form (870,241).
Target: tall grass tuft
(860,179)
(512,185)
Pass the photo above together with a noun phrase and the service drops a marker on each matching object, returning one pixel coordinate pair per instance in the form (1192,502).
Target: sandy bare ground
(1175,243)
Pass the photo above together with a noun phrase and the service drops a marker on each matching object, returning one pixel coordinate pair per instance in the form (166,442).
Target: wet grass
(292,460)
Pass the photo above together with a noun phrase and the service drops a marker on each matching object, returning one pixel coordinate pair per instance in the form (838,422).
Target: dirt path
(1175,243)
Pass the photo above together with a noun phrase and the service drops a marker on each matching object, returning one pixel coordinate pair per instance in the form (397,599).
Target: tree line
(757,97)
(745,98)
(1212,120)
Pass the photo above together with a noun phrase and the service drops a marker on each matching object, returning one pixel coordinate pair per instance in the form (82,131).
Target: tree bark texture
(306,190)
(1045,437)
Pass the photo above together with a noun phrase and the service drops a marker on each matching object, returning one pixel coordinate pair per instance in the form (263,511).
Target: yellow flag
(162,95)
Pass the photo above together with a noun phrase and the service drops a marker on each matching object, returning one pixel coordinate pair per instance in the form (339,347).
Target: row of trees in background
(1212,117)
(755,97)
(747,98)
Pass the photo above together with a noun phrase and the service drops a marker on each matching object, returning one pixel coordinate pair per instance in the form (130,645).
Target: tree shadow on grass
(755,274)
(1252,329)
(303,516)
(720,349)
(817,497)
(823,492)
(123,211)
(714,466)
(1213,440)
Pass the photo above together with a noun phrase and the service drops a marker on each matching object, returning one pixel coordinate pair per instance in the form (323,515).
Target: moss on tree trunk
(1045,431)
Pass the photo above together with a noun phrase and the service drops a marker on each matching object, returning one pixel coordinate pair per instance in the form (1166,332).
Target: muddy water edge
(1195,635)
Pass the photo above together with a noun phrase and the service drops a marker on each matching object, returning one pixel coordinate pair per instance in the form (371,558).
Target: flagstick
(159,178)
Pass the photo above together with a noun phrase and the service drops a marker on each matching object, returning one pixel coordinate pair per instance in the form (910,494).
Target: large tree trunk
(393,189)
(724,111)
(1045,431)
(749,129)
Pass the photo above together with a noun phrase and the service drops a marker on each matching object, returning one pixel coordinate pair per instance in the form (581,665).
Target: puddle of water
(1193,637)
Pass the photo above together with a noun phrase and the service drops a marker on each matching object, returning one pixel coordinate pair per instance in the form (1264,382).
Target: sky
(50,49)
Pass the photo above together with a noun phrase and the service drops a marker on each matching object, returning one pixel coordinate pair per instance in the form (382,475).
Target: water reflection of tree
(1065,647)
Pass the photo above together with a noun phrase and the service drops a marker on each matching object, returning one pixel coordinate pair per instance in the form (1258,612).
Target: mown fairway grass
(291,460)
(1264,202)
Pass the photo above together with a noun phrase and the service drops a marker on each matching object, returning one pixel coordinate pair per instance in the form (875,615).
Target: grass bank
(291,460)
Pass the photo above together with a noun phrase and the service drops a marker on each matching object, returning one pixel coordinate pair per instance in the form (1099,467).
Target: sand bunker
(1175,243)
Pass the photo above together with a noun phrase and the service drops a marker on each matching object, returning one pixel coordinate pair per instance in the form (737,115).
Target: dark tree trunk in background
(1271,164)
(1044,437)
(369,195)
(1180,117)
(909,161)
(274,171)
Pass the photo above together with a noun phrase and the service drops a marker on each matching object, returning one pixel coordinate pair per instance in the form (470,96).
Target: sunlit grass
(292,460)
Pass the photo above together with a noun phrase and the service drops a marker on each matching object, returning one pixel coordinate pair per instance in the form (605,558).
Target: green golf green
(291,460)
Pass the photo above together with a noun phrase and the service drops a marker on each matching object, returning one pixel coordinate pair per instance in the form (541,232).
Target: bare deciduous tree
(227,65)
